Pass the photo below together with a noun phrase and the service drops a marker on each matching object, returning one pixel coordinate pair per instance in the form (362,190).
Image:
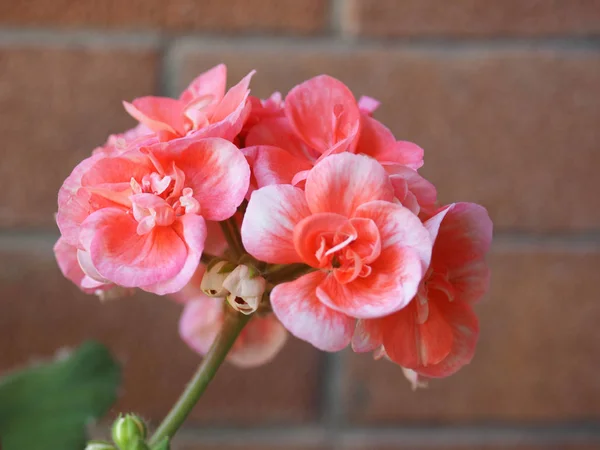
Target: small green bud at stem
(128,431)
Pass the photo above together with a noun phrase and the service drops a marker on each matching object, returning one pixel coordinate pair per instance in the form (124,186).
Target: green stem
(232,326)
(288,273)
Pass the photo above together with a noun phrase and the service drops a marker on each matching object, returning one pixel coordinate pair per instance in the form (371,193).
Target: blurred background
(503,95)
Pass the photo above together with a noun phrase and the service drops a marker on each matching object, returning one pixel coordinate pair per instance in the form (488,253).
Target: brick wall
(504,95)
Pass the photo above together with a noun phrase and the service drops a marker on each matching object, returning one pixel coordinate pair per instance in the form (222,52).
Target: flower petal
(268,226)
(200,323)
(215,170)
(367,336)
(398,227)
(259,342)
(324,113)
(423,191)
(273,165)
(66,257)
(309,230)
(212,82)
(158,114)
(191,228)
(297,307)
(341,183)
(124,257)
(393,282)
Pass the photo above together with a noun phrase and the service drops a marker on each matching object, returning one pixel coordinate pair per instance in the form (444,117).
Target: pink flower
(369,254)
(435,335)
(322,117)
(202,318)
(203,109)
(138,219)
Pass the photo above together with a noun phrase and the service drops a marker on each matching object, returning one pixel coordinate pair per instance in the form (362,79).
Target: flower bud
(128,430)
(245,288)
(99,445)
(212,281)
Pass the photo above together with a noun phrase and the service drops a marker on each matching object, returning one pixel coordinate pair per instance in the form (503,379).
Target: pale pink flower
(138,218)
(202,319)
(368,252)
(203,110)
(245,289)
(435,335)
(118,143)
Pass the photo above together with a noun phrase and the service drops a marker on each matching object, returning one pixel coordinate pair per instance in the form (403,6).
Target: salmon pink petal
(398,227)
(367,336)
(268,226)
(235,97)
(215,170)
(212,82)
(413,345)
(309,231)
(273,165)
(392,283)
(423,191)
(215,244)
(200,323)
(191,291)
(158,114)
(471,281)
(260,341)
(341,183)
(117,170)
(368,105)
(324,113)
(192,230)
(464,235)
(378,142)
(66,257)
(124,257)
(277,132)
(300,311)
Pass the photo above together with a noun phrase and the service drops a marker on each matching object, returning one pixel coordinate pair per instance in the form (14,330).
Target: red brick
(563,445)
(514,130)
(463,18)
(42,312)
(536,360)
(56,105)
(282,16)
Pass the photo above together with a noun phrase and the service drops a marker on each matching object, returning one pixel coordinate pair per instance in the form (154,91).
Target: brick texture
(514,130)
(464,18)
(479,446)
(56,106)
(42,312)
(221,16)
(536,357)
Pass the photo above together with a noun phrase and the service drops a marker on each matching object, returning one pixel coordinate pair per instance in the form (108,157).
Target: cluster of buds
(241,284)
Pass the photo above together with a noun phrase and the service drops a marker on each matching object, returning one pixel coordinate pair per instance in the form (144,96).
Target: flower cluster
(304,211)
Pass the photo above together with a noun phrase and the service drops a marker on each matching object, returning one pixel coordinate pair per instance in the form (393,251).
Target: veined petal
(158,114)
(273,165)
(212,82)
(367,336)
(277,132)
(341,183)
(297,307)
(268,226)
(308,231)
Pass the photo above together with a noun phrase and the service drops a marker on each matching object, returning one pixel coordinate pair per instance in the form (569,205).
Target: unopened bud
(128,430)
(246,289)
(215,275)
(99,445)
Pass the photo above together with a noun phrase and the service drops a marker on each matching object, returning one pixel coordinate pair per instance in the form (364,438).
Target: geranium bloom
(435,335)
(369,253)
(138,218)
(321,117)
(202,320)
(202,110)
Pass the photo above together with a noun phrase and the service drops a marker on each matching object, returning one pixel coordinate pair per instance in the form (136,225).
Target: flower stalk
(233,325)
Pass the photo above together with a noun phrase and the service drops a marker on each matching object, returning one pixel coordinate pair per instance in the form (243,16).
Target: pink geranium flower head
(369,254)
(204,109)
(138,219)
(436,333)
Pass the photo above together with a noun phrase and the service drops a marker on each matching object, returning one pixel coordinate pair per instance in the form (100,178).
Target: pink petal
(191,291)
(200,323)
(260,341)
(368,105)
(212,82)
(158,114)
(424,192)
(308,231)
(277,132)
(341,183)
(66,257)
(192,230)
(273,165)
(235,96)
(398,227)
(324,113)
(124,257)
(367,336)
(297,307)
(215,170)
(268,226)
(215,243)
(393,282)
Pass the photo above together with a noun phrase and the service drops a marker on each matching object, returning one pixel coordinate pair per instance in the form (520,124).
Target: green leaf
(48,406)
